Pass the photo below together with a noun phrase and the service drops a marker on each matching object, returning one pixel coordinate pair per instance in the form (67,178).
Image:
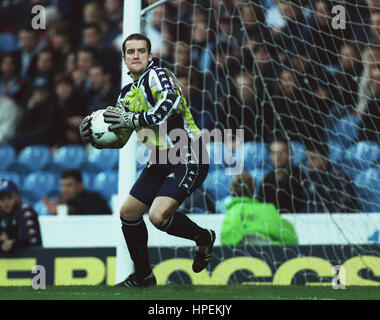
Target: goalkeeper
(154,100)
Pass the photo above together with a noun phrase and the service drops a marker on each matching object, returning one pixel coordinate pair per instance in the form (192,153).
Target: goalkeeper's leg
(136,237)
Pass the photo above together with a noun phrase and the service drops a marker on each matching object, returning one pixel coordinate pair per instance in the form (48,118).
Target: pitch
(190,292)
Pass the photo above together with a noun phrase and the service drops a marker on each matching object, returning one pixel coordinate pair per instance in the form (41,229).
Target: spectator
(103,92)
(30,46)
(93,39)
(86,58)
(370,124)
(19,227)
(78,200)
(329,189)
(114,12)
(39,121)
(346,80)
(10,116)
(72,108)
(245,111)
(61,38)
(294,34)
(45,66)
(248,221)
(198,102)
(325,40)
(11,84)
(154,27)
(201,49)
(283,186)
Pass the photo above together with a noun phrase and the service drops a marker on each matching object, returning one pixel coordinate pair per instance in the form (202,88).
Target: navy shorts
(176,181)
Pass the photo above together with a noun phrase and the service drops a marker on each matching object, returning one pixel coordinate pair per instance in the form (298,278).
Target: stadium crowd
(276,68)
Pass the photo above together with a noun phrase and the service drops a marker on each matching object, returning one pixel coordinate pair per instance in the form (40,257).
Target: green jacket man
(248,221)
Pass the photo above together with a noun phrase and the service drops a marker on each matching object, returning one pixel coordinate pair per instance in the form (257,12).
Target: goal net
(302,79)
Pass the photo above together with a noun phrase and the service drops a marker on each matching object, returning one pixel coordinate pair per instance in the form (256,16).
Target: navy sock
(180,225)
(136,237)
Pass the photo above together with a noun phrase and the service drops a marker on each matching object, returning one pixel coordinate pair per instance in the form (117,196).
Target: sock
(180,225)
(136,237)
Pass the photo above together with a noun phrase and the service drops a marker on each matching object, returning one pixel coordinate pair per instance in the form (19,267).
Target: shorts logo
(171,175)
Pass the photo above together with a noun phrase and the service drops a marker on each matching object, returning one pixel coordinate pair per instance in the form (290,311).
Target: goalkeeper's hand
(120,118)
(86,132)
(85,129)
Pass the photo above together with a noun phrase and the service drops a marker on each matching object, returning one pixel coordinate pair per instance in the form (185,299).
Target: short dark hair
(72,173)
(137,36)
(243,185)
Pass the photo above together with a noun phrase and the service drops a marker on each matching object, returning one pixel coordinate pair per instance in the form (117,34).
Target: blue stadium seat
(7,156)
(29,197)
(256,156)
(21,169)
(361,156)
(298,154)
(70,156)
(335,151)
(106,183)
(345,130)
(40,183)
(35,157)
(88,180)
(13,176)
(103,159)
(367,188)
(217,184)
(41,209)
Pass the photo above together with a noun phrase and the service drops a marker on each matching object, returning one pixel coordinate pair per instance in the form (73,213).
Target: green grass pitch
(190,292)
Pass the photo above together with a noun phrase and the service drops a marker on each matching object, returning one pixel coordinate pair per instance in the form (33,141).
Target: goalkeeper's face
(137,57)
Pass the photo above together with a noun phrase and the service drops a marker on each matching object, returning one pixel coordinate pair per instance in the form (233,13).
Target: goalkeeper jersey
(157,96)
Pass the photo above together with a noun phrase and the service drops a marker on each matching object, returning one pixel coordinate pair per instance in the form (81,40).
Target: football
(100,133)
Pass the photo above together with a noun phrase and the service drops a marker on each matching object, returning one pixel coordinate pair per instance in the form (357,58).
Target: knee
(159,219)
(128,213)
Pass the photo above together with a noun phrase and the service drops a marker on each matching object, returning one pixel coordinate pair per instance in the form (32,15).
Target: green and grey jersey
(158,98)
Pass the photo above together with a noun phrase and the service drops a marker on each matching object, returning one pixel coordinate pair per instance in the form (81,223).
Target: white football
(100,133)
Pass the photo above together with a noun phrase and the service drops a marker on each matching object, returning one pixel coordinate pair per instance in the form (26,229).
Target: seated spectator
(325,40)
(61,41)
(284,185)
(329,189)
(72,109)
(44,66)
(19,227)
(30,47)
(39,121)
(345,88)
(11,84)
(78,200)
(93,38)
(103,92)
(300,114)
(248,221)
(370,124)
(86,58)
(244,111)
(10,116)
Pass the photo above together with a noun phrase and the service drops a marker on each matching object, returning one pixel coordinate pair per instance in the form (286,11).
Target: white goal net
(302,79)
